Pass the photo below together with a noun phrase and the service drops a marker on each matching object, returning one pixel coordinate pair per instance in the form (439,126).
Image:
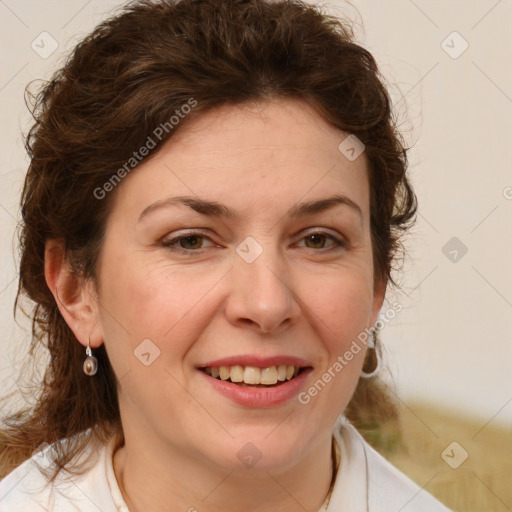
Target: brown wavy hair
(122,81)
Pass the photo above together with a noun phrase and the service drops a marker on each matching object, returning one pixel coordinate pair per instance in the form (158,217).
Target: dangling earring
(90,365)
(374,357)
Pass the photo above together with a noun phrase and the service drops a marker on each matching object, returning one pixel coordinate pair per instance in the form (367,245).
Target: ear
(75,298)
(379,292)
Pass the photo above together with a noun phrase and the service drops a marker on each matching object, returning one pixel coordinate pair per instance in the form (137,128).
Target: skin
(304,297)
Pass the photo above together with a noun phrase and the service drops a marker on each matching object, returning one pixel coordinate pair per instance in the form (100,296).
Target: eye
(187,243)
(191,242)
(317,240)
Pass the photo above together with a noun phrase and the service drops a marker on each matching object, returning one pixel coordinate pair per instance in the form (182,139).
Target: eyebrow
(215,209)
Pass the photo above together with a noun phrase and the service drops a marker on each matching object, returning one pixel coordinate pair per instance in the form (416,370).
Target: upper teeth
(253,374)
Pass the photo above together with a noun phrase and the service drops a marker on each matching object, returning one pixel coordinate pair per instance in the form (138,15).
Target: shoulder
(387,488)
(28,488)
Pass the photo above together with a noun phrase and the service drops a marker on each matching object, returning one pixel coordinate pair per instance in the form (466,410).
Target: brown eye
(190,242)
(319,240)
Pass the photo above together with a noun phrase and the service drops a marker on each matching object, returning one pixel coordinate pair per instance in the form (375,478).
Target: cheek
(340,307)
(342,304)
(342,310)
(170,307)
(152,300)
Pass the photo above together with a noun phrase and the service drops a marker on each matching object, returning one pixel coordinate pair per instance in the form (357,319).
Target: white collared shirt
(365,482)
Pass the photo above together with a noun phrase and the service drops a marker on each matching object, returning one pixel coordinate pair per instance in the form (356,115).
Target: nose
(261,294)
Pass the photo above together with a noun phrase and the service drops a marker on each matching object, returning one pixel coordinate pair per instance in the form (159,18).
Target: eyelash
(171,244)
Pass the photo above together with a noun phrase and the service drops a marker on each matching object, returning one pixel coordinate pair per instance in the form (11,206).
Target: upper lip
(257,361)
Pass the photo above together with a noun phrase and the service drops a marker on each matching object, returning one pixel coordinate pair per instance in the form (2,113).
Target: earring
(374,357)
(90,365)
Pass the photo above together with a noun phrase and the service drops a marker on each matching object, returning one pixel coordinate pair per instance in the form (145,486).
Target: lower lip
(259,397)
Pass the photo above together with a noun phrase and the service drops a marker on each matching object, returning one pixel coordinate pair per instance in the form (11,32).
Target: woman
(210,218)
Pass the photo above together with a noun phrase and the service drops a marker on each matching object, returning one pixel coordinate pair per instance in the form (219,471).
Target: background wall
(448,66)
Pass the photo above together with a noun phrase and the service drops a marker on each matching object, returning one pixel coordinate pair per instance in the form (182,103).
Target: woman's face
(220,256)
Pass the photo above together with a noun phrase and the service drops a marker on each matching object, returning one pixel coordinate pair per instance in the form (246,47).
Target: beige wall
(452,342)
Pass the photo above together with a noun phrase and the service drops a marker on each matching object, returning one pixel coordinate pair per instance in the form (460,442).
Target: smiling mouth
(252,376)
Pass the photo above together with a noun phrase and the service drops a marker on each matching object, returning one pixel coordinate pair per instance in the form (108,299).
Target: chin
(258,451)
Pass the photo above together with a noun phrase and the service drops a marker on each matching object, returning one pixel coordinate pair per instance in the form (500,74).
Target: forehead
(251,157)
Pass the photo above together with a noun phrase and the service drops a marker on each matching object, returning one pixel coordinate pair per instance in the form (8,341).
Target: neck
(148,480)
